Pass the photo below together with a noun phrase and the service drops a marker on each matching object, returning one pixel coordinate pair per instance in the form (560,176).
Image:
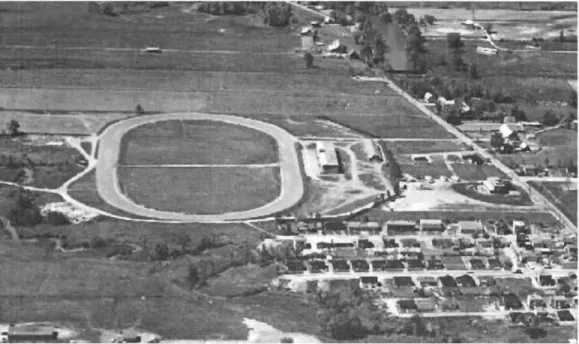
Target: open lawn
(469,190)
(201,190)
(420,170)
(196,142)
(563,198)
(423,147)
(477,172)
(558,137)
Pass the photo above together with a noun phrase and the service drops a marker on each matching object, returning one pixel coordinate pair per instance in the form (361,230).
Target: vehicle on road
(152,50)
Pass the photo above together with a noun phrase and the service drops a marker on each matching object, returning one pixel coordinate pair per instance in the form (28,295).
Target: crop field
(25,24)
(201,81)
(404,121)
(477,172)
(563,198)
(196,142)
(201,190)
(424,147)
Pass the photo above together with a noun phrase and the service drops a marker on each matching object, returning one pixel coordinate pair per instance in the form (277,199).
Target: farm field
(477,172)
(562,198)
(423,147)
(74,26)
(196,142)
(185,81)
(200,190)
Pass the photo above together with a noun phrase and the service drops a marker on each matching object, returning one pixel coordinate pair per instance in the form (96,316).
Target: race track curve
(292,186)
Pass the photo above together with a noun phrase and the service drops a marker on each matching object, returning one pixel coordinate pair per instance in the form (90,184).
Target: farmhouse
(328,157)
(372,151)
(508,131)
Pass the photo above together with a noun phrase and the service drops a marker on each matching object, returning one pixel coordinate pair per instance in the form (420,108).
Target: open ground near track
(196,142)
(562,196)
(201,190)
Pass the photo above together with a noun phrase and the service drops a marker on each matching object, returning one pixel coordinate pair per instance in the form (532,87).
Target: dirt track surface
(109,189)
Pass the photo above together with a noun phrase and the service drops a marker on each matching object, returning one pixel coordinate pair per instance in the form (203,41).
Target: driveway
(108,186)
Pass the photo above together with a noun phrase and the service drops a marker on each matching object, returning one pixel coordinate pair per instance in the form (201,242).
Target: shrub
(57,219)
(549,118)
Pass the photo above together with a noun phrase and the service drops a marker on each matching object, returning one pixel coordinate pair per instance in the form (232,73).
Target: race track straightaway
(107,182)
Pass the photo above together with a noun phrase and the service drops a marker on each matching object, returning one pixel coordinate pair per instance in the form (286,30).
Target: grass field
(421,170)
(558,137)
(53,124)
(423,147)
(467,190)
(201,190)
(562,198)
(477,172)
(196,142)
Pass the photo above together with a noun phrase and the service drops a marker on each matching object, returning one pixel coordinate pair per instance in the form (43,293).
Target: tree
(139,110)
(549,119)
(473,72)
(309,58)
(193,276)
(380,49)
(366,53)
(488,27)
(456,46)
(497,140)
(416,49)
(162,251)
(182,240)
(562,36)
(277,14)
(429,19)
(13,128)
(519,114)
(451,115)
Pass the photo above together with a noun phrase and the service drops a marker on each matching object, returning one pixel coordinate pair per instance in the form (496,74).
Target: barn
(372,151)
(328,157)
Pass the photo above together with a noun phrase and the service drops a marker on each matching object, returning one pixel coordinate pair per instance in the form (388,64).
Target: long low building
(328,157)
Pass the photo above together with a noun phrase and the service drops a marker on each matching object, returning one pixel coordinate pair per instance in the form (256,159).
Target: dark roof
(547,280)
(477,264)
(295,265)
(448,281)
(360,264)
(394,264)
(378,264)
(565,315)
(318,264)
(512,301)
(403,281)
(335,226)
(407,304)
(340,264)
(369,279)
(425,304)
(494,263)
(415,264)
(466,281)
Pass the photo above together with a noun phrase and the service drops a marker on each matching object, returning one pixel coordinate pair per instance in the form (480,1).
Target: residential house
(432,226)
(395,265)
(558,302)
(512,301)
(509,131)
(447,281)
(295,267)
(477,264)
(509,119)
(494,264)
(378,265)
(335,226)
(415,264)
(427,281)
(369,282)
(453,263)
(360,265)
(425,304)
(318,266)
(487,280)
(466,281)
(529,169)
(407,306)
(449,304)
(371,228)
(340,265)
(435,264)
(535,302)
(565,316)
(403,281)
(470,227)
(394,227)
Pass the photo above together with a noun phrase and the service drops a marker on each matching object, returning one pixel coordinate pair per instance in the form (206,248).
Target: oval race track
(108,186)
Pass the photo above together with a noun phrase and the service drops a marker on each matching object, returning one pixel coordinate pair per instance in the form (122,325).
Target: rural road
(535,195)
(108,186)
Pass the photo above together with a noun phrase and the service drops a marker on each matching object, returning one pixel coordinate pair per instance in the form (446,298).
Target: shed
(432,225)
(328,157)
(372,151)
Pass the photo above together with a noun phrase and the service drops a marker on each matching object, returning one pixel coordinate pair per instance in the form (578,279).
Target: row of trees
(277,14)
(374,46)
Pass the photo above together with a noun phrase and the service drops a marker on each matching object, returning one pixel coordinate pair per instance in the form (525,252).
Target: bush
(57,219)
(550,119)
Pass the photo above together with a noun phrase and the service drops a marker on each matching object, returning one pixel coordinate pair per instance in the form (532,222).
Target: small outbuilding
(328,157)
(372,151)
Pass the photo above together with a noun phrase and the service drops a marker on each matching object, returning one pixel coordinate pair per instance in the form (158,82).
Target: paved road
(537,197)
(109,189)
